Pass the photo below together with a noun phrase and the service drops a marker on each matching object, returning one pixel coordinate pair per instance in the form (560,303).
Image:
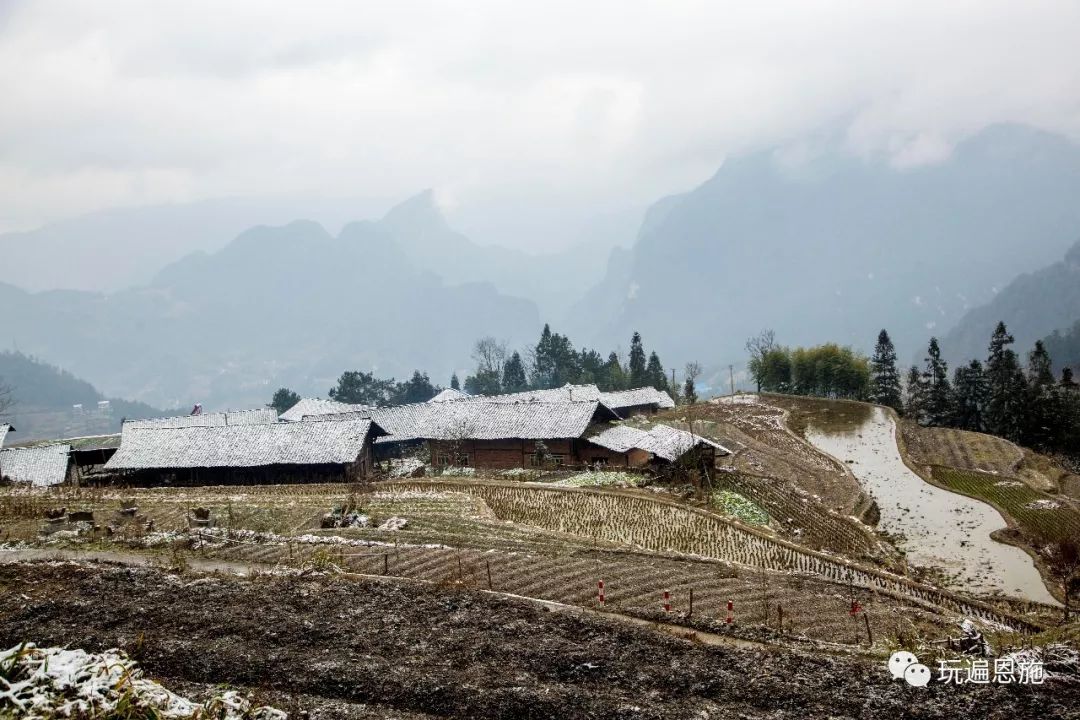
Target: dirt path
(325,642)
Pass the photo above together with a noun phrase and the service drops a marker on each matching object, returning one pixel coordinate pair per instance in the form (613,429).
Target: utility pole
(731,374)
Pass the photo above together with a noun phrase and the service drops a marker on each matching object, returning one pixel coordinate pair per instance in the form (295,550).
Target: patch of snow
(394,523)
(53,682)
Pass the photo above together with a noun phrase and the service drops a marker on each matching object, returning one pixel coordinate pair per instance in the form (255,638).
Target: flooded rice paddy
(938,528)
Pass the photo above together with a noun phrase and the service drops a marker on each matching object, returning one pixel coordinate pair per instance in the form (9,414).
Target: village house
(626,403)
(498,435)
(173,453)
(4,430)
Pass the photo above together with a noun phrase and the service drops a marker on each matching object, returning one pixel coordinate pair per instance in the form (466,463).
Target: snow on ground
(44,683)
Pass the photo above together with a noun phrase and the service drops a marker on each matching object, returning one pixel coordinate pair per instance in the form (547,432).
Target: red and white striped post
(667,601)
(730,611)
(600,592)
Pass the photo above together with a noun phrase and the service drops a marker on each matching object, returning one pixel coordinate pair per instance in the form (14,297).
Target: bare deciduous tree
(489,354)
(692,372)
(7,398)
(758,347)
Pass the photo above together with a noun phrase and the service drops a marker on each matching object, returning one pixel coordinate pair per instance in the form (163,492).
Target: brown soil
(332,647)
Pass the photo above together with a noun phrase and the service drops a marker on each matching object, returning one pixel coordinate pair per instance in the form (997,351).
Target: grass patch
(600,479)
(734,504)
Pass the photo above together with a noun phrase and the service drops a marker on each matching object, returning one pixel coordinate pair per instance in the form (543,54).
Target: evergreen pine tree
(913,402)
(614,375)
(638,374)
(454,382)
(1004,405)
(543,372)
(655,372)
(970,395)
(1041,408)
(937,406)
(884,377)
(513,379)
(283,399)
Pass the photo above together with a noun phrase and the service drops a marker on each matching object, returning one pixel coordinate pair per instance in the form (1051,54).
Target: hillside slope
(45,399)
(1033,306)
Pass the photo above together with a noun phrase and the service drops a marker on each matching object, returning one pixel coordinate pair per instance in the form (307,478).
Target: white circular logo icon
(899,663)
(917,675)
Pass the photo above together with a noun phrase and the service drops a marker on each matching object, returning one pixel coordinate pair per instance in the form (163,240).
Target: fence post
(730,611)
(489,574)
(600,592)
(667,601)
(689,614)
(780,616)
(869,635)
(386,564)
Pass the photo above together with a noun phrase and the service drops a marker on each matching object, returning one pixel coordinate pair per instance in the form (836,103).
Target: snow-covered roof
(478,420)
(449,395)
(39,466)
(661,440)
(566,393)
(242,445)
(576,393)
(258,416)
(4,429)
(621,399)
(317,406)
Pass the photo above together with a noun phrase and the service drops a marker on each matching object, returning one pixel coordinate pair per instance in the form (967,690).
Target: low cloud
(564,107)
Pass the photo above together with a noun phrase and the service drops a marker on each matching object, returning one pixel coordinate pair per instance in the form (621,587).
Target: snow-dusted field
(940,528)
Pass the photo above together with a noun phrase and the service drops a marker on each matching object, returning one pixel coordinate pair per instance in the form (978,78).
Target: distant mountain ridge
(1032,306)
(288,305)
(838,248)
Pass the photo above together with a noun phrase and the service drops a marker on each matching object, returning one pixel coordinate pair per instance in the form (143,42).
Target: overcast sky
(535,113)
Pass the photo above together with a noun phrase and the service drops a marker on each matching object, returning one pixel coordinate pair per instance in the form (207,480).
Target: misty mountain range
(829,249)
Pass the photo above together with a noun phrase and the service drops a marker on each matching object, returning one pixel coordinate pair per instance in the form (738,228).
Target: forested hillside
(44,399)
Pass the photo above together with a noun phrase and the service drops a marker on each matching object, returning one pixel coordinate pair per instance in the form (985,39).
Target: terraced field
(658,525)
(800,517)
(1041,517)
(553,542)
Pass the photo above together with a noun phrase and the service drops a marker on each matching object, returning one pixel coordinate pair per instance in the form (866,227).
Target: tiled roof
(620,399)
(576,393)
(566,393)
(479,420)
(39,466)
(661,440)
(258,416)
(449,395)
(317,406)
(4,428)
(242,445)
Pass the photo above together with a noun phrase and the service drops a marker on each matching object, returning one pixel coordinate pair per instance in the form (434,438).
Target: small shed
(42,466)
(661,445)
